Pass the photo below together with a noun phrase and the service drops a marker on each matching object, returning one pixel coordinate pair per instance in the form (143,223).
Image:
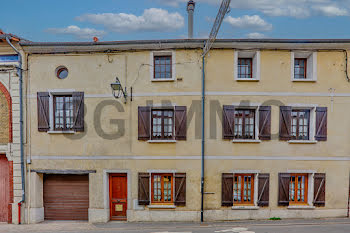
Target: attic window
(61,72)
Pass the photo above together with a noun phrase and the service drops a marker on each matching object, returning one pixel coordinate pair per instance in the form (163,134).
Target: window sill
(245,141)
(245,207)
(304,80)
(301,207)
(161,207)
(301,142)
(161,141)
(247,80)
(61,132)
(163,80)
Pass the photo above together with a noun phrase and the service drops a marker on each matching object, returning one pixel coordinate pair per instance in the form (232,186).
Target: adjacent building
(11,186)
(276,130)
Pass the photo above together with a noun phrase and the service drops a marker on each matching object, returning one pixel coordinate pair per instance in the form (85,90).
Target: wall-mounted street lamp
(117,90)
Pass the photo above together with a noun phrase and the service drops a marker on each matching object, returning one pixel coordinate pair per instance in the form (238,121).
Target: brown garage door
(66,197)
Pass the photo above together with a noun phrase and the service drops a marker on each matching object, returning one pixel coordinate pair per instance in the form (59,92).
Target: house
(11,164)
(276,130)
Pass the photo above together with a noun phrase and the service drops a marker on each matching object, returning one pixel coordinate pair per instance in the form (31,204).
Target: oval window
(62,72)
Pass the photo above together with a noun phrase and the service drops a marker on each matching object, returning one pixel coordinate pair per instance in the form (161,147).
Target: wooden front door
(118,196)
(4,189)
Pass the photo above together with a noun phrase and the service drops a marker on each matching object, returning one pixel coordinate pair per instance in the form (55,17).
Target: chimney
(190,9)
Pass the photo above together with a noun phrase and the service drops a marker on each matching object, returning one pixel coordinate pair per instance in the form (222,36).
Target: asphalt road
(283,226)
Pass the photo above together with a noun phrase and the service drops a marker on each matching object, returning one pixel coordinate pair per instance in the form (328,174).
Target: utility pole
(224,9)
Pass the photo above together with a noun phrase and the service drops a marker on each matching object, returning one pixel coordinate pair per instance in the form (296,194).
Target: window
(245,68)
(298,188)
(61,72)
(247,65)
(63,112)
(304,66)
(162,124)
(300,124)
(162,188)
(8,58)
(162,67)
(244,127)
(243,189)
(300,68)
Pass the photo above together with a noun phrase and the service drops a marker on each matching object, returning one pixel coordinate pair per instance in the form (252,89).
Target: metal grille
(162,67)
(245,68)
(300,65)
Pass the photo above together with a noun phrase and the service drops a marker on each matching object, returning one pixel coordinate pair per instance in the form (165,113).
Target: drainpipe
(203,139)
(19,72)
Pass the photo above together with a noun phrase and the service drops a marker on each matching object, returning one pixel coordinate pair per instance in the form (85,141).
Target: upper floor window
(162,188)
(304,66)
(9,58)
(300,68)
(244,124)
(162,67)
(60,111)
(63,112)
(162,124)
(300,124)
(303,124)
(247,65)
(245,68)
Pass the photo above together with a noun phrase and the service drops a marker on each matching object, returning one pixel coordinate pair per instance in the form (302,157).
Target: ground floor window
(298,188)
(243,189)
(162,188)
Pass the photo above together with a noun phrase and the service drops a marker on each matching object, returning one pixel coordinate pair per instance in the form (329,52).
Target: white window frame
(9,63)
(255,55)
(253,106)
(312,126)
(256,189)
(173,63)
(52,93)
(311,66)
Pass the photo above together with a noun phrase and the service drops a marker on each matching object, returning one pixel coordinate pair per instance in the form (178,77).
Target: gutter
(19,72)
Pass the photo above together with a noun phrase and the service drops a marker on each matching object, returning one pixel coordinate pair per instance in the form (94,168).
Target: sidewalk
(316,225)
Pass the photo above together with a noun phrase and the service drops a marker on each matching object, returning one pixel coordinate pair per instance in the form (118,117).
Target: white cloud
(253,22)
(331,10)
(81,33)
(255,35)
(152,20)
(289,8)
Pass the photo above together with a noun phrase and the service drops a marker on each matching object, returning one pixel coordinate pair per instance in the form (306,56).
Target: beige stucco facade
(110,146)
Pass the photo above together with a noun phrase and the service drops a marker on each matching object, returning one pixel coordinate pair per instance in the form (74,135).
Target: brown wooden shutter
(180,189)
(227,189)
(43,111)
(263,189)
(265,122)
(180,122)
(320,189)
(285,122)
(78,105)
(143,192)
(144,123)
(283,189)
(321,124)
(228,119)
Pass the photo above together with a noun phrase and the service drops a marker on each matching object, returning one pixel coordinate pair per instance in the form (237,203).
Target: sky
(117,20)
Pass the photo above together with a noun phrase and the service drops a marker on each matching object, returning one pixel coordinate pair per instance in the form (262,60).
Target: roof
(13,37)
(137,45)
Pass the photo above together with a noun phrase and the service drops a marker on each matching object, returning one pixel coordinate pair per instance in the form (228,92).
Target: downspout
(203,139)
(19,72)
